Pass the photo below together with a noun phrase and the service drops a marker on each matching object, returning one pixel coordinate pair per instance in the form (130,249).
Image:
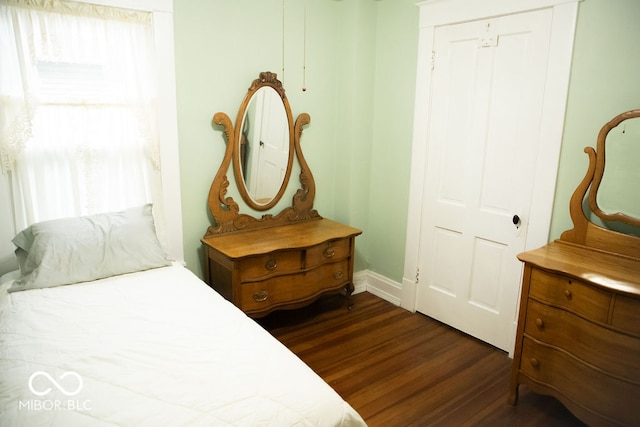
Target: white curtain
(77,101)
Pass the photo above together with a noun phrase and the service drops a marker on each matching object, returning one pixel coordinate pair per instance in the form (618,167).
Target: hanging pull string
(304,50)
(282,78)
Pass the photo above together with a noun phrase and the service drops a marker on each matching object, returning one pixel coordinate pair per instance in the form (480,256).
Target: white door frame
(435,13)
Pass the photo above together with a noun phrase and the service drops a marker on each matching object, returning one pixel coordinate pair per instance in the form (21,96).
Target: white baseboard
(379,285)
(408,295)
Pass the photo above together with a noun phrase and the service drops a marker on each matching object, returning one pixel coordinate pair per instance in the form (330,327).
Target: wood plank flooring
(398,368)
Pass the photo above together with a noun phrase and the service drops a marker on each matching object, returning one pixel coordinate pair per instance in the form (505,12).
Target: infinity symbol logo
(55,383)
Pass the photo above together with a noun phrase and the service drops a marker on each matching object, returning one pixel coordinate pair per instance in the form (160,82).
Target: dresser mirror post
(269,262)
(578,336)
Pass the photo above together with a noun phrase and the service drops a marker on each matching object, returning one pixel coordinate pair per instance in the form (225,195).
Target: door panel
(487,101)
(271,133)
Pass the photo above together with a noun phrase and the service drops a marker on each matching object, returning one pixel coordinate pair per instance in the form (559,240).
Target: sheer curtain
(78,121)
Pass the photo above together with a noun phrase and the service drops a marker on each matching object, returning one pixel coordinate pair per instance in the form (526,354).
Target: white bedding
(153,348)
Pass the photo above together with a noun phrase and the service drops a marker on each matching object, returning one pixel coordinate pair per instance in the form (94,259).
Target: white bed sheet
(154,348)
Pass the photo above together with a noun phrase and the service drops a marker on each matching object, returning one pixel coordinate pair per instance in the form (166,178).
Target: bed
(149,347)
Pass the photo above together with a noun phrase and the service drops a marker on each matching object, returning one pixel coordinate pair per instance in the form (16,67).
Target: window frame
(162,11)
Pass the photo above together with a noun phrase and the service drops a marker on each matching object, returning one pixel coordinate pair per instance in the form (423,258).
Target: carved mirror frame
(599,171)
(270,86)
(585,232)
(225,210)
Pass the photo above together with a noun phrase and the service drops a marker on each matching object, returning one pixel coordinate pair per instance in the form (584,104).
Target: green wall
(395,71)
(222,45)
(604,83)
(360,74)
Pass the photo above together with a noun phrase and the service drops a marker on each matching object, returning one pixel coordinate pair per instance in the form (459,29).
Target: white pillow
(7,277)
(71,250)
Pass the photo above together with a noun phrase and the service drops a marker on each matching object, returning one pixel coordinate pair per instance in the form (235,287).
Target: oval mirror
(263,153)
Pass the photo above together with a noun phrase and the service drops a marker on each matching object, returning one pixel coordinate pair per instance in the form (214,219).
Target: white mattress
(154,348)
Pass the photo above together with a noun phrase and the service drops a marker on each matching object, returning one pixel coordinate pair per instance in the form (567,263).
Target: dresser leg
(513,395)
(349,288)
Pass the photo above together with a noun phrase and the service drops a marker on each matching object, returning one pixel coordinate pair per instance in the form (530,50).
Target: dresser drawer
(286,289)
(626,315)
(611,351)
(570,294)
(259,267)
(328,251)
(612,397)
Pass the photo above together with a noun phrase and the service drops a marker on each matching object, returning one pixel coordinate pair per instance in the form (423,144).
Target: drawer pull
(271,264)
(534,362)
(260,296)
(567,293)
(329,252)
(539,323)
(338,275)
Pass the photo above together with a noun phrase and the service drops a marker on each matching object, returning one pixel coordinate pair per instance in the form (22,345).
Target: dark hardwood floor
(398,368)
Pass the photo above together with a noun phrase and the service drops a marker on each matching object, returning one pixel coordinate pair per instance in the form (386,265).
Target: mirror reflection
(613,200)
(264,145)
(622,150)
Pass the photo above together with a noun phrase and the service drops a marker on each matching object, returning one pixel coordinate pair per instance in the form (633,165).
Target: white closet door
(487,95)
(272,137)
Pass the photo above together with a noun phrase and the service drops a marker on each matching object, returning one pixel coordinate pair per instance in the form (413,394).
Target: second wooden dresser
(281,267)
(579,332)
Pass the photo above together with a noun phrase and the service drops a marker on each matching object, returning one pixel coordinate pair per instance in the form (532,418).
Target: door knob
(516,220)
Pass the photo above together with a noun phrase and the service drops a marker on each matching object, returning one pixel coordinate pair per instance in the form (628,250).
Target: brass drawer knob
(338,275)
(260,296)
(534,362)
(567,293)
(271,264)
(539,323)
(329,252)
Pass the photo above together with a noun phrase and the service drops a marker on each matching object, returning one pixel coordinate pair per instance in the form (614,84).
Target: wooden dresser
(578,336)
(281,267)
(579,332)
(273,261)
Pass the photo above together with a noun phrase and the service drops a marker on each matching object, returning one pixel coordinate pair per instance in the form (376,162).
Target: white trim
(418,164)
(408,295)
(168,134)
(552,123)
(377,284)
(435,13)
(360,281)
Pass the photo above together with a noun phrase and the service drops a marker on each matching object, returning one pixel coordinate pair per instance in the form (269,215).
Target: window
(79,122)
